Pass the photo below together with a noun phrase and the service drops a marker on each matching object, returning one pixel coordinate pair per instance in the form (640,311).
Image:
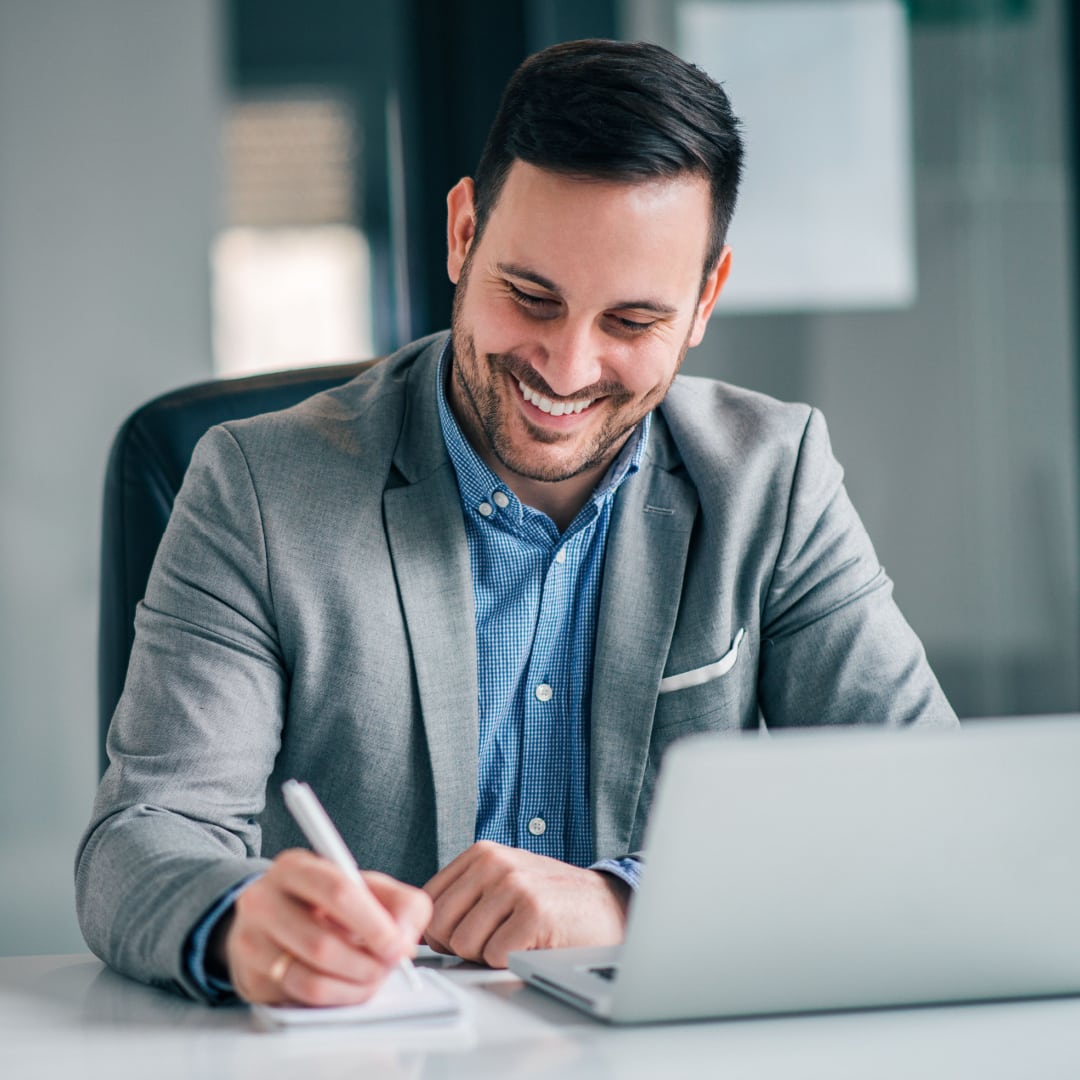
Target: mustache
(524,372)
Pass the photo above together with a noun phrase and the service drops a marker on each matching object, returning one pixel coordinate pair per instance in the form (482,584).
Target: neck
(560,499)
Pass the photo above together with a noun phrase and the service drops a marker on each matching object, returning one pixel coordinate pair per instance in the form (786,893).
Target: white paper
(435,1001)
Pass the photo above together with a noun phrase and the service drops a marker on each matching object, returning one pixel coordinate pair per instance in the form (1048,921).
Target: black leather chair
(146,466)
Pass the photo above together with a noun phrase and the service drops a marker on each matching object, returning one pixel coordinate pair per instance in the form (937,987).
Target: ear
(460,226)
(714,285)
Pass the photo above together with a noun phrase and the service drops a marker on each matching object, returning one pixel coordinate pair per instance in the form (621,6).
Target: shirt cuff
(217,990)
(627,869)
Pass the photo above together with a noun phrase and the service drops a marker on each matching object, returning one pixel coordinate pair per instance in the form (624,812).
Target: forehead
(581,233)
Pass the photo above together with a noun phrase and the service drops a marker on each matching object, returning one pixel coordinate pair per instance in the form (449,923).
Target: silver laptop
(843,869)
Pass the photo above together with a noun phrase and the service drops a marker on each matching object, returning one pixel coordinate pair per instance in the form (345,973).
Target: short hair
(615,110)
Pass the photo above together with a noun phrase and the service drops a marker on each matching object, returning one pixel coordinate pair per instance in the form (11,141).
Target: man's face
(572,314)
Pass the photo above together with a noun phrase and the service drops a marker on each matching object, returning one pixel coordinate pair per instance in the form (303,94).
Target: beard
(488,420)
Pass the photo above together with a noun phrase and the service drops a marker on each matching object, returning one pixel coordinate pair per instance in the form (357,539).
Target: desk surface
(69,1017)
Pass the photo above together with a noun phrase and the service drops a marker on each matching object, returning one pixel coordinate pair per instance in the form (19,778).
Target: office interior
(191,190)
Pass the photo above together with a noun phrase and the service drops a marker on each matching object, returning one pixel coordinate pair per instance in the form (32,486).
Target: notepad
(436,1001)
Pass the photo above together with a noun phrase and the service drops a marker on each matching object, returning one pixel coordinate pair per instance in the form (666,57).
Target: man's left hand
(493,900)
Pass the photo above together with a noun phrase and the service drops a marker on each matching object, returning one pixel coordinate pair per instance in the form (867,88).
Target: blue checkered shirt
(536,595)
(536,592)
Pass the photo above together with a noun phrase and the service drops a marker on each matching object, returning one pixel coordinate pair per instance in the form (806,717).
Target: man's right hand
(305,933)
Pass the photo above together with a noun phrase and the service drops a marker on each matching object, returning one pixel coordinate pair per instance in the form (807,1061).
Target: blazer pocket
(698,676)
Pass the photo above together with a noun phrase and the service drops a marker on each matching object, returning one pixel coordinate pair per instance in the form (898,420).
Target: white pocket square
(708,672)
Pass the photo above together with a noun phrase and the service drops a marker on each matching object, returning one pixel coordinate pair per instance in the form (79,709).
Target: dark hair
(615,110)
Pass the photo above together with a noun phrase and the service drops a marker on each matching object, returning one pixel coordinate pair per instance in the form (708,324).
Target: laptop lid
(821,869)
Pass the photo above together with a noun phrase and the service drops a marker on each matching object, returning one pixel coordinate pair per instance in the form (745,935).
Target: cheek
(498,327)
(646,369)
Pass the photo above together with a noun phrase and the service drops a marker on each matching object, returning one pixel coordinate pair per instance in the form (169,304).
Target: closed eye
(538,304)
(548,307)
(631,326)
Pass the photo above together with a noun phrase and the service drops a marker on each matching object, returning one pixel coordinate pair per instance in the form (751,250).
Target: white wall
(109,183)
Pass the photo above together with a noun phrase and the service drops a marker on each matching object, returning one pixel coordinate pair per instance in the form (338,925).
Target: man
(473,595)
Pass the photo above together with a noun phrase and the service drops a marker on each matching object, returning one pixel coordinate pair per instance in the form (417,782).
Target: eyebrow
(525,274)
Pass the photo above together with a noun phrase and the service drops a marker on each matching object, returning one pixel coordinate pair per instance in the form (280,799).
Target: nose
(572,358)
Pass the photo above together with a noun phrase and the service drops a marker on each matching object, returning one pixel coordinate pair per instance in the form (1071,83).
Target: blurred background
(218,186)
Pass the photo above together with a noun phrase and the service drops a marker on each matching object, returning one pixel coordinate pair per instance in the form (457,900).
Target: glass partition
(953,412)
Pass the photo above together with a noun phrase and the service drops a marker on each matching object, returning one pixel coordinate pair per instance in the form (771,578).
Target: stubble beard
(489,420)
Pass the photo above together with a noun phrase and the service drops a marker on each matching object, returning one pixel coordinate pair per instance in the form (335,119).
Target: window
(291,270)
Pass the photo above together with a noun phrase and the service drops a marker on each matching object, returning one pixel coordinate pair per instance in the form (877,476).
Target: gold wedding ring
(280,966)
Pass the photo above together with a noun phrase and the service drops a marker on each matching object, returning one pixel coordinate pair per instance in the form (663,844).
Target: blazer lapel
(646,556)
(431,561)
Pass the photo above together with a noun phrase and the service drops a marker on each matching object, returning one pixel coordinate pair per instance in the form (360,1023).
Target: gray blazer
(310,614)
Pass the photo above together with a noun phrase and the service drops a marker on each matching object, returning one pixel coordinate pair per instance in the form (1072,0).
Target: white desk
(68,1017)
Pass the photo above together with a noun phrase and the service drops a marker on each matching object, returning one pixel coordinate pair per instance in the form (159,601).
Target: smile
(555,408)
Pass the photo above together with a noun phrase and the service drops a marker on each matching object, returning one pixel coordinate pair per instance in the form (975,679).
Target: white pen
(323,836)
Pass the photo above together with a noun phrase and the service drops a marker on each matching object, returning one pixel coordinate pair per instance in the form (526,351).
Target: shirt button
(544,692)
(538,826)
(560,555)
(500,499)
(486,509)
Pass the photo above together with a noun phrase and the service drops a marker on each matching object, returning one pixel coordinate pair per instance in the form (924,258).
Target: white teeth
(555,408)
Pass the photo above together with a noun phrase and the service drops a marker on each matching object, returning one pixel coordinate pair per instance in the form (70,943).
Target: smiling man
(571,318)
(473,595)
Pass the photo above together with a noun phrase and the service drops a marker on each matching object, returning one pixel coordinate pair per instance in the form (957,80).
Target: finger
(276,977)
(281,947)
(470,908)
(517,932)
(317,882)
(482,854)
(459,886)
(408,906)
(276,916)
(451,906)
(257,965)
(436,944)
(249,950)
(591,912)
(451,872)
(469,938)
(300,931)
(259,970)
(309,986)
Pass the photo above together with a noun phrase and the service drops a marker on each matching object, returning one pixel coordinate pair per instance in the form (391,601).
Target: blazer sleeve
(835,648)
(195,734)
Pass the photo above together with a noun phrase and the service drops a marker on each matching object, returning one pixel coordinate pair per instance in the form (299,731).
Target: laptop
(825,869)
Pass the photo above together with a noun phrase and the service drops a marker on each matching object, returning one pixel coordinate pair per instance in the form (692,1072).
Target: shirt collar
(477,482)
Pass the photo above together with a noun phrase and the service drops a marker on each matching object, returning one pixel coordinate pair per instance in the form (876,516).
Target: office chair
(146,466)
